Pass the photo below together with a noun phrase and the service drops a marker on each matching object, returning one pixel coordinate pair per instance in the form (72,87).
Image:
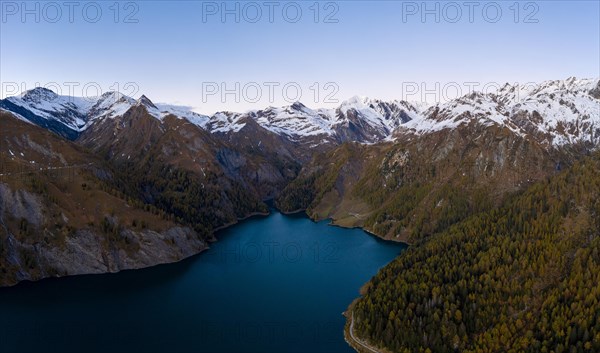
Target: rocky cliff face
(83,251)
(32,248)
(59,214)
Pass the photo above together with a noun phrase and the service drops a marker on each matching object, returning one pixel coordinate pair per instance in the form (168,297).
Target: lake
(270,284)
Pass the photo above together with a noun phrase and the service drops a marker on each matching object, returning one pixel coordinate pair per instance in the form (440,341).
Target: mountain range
(150,183)
(556,112)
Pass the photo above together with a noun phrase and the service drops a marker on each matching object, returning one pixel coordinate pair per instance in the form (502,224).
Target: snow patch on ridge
(560,111)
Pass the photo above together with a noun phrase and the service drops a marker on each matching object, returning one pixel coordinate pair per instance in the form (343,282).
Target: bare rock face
(595,92)
(21,204)
(30,250)
(61,224)
(87,253)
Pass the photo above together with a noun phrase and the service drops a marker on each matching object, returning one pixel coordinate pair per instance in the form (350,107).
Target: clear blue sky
(178,47)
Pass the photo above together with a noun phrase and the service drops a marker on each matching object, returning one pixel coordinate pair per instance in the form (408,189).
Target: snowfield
(560,111)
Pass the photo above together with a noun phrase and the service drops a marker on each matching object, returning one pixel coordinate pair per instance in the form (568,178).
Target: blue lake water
(270,284)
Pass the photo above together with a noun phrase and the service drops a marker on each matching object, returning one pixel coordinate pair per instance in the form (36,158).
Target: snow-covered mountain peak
(109,99)
(527,91)
(223,122)
(145,101)
(38,95)
(356,102)
(183,112)
(110,106)
(556,111)
(298,106)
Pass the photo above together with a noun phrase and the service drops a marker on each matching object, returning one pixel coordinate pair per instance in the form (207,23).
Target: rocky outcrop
(30,250)
(87,252)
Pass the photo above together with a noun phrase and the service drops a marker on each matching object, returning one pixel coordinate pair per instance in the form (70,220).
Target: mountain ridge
(558,112)
(398,170)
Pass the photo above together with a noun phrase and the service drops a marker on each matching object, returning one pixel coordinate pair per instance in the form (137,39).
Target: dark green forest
(205,204)
(523,277)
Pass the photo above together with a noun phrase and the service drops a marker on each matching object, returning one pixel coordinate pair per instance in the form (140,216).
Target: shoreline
(300,210)
(208,241)
(353,341)
(230,224)
(399,240)
(333,224)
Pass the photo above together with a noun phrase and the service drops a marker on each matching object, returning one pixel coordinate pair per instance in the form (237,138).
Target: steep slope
(520,278)
(554,113)
(358,119)
(454,159)
(60,213)
(62,115)
(176,166)
(365,120)
(397,170)
(409,189)
(69,116)
(558,112)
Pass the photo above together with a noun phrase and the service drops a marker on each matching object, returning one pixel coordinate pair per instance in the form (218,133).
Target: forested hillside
(411,189)
(524,277)
(62,213)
